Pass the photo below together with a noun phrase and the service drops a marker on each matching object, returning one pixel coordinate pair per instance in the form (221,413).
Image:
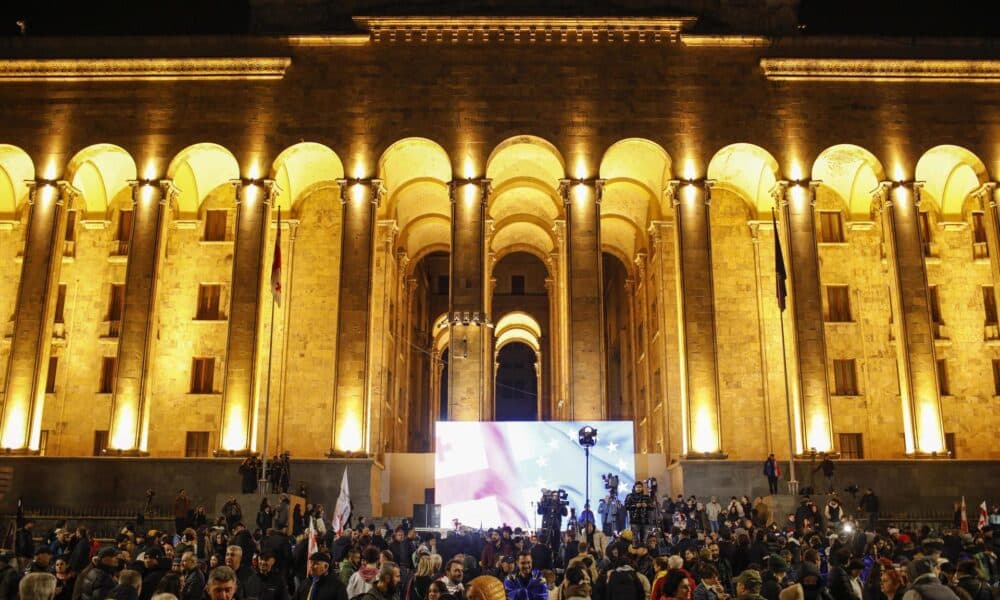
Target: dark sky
(145,17)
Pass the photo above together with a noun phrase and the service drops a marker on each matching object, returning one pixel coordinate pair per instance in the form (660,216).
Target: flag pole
(263,483)
(793,484)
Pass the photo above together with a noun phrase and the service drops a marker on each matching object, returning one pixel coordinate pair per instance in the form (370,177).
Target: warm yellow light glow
(149,171)
(146,193)
(46,194)
(898,173)
(798,194)
(358,192)
(250,192)
(704,437)
(930,434)
(123,429)
(50,170)
(359,170)
(349,432)
(819,437)
(689,193)
(15,424)
(689,169)
(580,170)
(796,171)
(468,168)
(235,436)
(901,195)
(254,171)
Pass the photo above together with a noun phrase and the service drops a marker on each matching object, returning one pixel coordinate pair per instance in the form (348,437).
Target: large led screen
(488,474)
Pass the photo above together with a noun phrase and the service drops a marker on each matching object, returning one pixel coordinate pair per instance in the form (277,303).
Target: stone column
(239,391)
(899,203)
(630,360)
(28,362)
(585,286)
(987,196)
(352,408)
(554,360)
(410,403)
(130,403)
(702,436)
(668,342)
(469,355)
(808,336)
(644,356)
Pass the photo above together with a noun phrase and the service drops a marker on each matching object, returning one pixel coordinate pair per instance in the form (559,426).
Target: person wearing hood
(772,578)
(362,580)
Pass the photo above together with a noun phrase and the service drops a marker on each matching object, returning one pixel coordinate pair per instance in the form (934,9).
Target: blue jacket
(534,589)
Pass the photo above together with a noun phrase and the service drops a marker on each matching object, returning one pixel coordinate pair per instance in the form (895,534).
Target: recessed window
(216,225)
(70,226)
(989,305)
(925,233)
(124,231)
(845,381)
(517,285)
(442,285)
(202,375)
(107,384)
(935,306)
(50,377)
(100,441)
(851,446)
(60,303)
(209,296)
(996,377)
(950,445)
(116,306)
(196,444)
(980,249)
(831,227)
(944,388)
(838,304)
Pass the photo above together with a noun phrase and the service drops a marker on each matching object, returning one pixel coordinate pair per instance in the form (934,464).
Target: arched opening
(427,344)
(620,343)
(521,308)
(516,383)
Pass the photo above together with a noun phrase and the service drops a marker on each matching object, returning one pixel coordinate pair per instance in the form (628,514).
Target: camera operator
(638,505)
(553,507)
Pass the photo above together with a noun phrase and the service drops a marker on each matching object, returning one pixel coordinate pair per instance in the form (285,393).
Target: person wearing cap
(748,584)
(40,564)
(924,582)
(153,570)
(505,566)
(772,578)
(321,585)
(99,581)
(266,583)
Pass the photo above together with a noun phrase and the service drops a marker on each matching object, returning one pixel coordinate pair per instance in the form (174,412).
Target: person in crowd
(182,510)
(40,564)
(129,586)
(193,582)
(37,586)
(154,568)
(362,581)
(234,560)
(892,583)
(248,475)
(575,586)
(924,582)
(435,591)
(266,583)
(967,578)
(321,584)
(772,580)
(452,579)
(748,584)
(713,510)
(386,586)
(869,505)
(526,583)
(350,565)
(98,581)
(65,579)
(265,515)
(638,504)
(221,584)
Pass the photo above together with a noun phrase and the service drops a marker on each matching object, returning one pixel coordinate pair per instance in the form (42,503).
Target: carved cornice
(525,29)
(880,69)
(143,69)
(725,41)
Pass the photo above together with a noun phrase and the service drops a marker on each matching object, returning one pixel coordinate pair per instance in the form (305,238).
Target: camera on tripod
(610,482)
(554,498)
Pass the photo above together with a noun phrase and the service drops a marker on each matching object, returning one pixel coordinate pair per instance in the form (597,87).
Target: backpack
(625,585)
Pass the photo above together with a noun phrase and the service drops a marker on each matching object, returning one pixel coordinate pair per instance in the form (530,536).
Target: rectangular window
(50,377)
(831,228)
(215,225)
(925,232)
(980,249)
(845,381)
(196,444)
(996,377)
(100,441)
(838,304)
(989,305)
(202,375)
(442,285)
(116,306)
(124,231)
(942,372)
(70,226)
(517,285)
(209,296)
(43,442)
(851,446)
(107,384)
(60,303)
(949,445)
(935,305)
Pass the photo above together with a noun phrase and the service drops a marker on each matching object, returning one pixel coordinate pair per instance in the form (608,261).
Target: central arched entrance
(516,383)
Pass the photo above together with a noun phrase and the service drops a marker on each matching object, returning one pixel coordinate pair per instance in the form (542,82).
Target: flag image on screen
(492,473)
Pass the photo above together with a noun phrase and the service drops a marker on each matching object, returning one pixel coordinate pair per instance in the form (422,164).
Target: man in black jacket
(100,580)
(192,581)
(321,585)
(266,583)
(153,570)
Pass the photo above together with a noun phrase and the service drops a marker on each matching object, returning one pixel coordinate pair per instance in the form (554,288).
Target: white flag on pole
(342,513)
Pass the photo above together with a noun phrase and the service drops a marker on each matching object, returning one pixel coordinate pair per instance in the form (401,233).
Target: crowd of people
(675,549)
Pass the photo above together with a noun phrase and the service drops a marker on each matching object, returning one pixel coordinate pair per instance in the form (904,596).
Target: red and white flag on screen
(342,512)
(965,519)
(982,516)
(276,265)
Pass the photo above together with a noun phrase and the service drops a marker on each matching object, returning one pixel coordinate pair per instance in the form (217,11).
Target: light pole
(588,439)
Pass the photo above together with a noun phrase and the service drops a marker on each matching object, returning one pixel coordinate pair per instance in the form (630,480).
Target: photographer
(638,505)
(553,507)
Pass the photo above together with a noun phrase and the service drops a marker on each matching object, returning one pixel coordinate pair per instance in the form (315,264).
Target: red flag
(965,519)
(313,546)
(276,265)
(777,469)
(982,516)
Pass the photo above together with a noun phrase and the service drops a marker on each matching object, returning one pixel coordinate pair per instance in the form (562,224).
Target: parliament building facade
(577,215)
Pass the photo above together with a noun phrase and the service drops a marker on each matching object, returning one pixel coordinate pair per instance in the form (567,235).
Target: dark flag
(780,275)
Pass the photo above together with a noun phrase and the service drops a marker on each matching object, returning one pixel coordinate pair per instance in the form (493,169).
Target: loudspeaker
(427,515)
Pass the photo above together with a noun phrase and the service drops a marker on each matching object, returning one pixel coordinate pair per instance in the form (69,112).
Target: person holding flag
(342,512)
(964,525)
(982,516)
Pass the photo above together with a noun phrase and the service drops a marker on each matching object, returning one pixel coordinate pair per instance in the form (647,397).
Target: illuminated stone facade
(598,190)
